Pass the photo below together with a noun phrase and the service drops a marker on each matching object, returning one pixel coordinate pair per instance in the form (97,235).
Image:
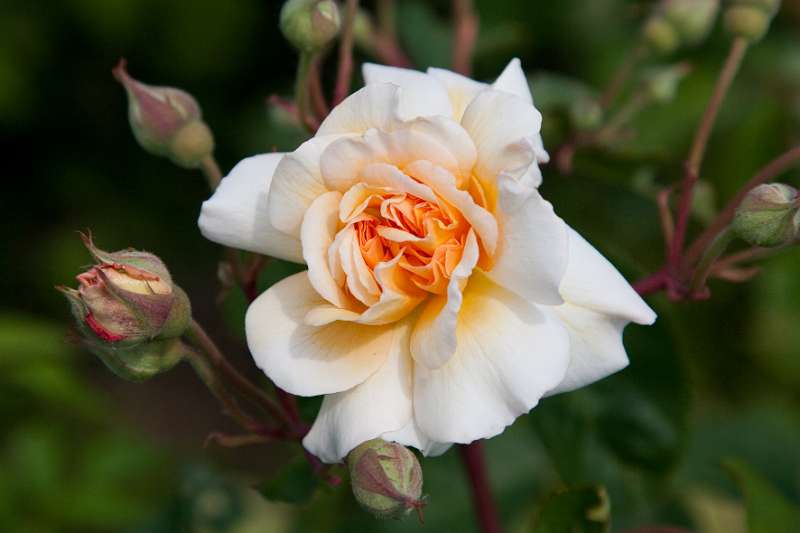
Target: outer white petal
(411,435)
(591,281)
(434,340)
(513,80)
(460,89)
(373,106)
(379,405)
(532,254)
(310,360)
(237,214)
(502,126)
(421,95)
(599,303)
(509,355)
(596,349)
(297,182)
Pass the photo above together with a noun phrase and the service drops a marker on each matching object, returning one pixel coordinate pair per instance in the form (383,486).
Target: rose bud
(769,215)
(661,83)
(310,25)
(166,121)
(129,312)
(386,478)
(677,23)
(750,19)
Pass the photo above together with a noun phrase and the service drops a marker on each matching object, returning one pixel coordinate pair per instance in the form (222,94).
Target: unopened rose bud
(750,19)
(166,121)
(386,478)
(129,312)
(661,83)
(677,23)
(769,215)
(310,25)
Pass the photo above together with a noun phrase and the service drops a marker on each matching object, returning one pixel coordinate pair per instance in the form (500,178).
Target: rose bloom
(443,296)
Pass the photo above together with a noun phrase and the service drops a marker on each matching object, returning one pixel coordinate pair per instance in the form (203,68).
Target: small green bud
(769,215)
(662,82)
(585,113)
(166,121)
(750,19)
(310,25)
(129,312)
(386,478)
(678,23)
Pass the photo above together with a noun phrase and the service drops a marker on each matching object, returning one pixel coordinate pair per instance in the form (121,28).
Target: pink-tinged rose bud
(769,215)
(166,121)
(386,478)
(129,312)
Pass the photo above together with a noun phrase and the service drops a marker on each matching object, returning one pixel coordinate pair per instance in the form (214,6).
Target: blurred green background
(702,431)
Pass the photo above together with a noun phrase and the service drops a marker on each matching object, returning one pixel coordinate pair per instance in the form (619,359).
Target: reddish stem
(475,464)
(466,32)
(345,70)
(652,283)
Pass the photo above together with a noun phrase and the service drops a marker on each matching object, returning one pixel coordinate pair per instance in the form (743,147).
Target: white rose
(443,297)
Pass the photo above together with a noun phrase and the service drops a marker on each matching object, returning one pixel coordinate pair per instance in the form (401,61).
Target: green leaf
(294,483)
(768,511)
(574,510)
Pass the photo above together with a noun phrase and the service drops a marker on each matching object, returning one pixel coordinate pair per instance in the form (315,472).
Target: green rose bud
(310,25)
(386,478)
(129,312)
(678,23)
(662,83)
(750,19)
(769,215)
(166,121)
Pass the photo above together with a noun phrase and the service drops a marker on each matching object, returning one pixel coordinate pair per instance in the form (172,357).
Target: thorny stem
(345,69)
(200,338)
(775,167)
(475,464)
(211,171)
(698,149)
(466,32)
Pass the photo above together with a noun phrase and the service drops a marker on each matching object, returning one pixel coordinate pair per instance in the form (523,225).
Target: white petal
(237,214)
(513,80)
(532,254)
(379,405)
(297,183)
(433,341)
(420,96)
(373,106)
(596,349)
(320,226)
(460,89)
(509,355)
(592,282)
(309,360)
(502,126)
(411,435)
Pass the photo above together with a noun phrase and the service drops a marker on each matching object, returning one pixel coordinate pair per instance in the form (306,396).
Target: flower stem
(302,93)
(220,363)
(698,149)
(211,171)
(465,35)
(621,76)
(712,253)
(475,464)
(345,70)
(775,167)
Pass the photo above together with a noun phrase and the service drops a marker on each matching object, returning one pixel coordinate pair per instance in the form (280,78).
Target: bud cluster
(129,312)
(769,215)
(678,23)
(750,19)
(166,121)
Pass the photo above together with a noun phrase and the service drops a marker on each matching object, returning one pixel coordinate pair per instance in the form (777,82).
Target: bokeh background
(712,396)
